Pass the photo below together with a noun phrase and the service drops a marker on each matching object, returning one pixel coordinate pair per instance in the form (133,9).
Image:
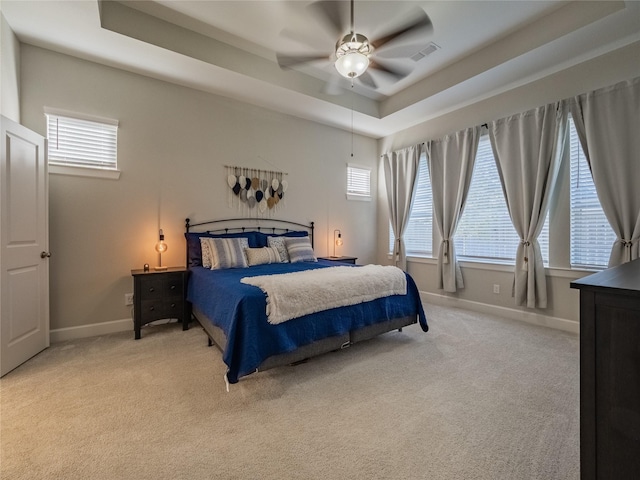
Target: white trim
(564,324)
(81,116)
(362,198)
(559,272)
(84,172)
(95,329)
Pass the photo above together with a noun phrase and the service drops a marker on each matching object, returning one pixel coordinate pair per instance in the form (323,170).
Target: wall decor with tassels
(256,192)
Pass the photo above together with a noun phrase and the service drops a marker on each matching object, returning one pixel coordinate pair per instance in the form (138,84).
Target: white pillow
(300,250)
(225,252)
(261,256)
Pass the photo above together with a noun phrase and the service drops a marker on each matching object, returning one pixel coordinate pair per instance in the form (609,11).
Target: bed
(233,312)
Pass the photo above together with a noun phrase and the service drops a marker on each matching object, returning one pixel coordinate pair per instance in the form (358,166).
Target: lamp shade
(352,64)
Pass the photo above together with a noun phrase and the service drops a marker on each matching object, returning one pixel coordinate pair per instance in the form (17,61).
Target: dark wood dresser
(610,373)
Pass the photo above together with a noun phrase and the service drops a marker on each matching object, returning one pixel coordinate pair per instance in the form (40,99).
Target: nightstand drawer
(152,310)
(151,287)
(173,285)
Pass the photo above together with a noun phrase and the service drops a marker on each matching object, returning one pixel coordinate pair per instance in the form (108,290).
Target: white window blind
(81,142)
(358,181)
(591,234)
(418,234)
(485,230)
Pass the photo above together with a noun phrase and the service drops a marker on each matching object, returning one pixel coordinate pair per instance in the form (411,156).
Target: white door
(24,246)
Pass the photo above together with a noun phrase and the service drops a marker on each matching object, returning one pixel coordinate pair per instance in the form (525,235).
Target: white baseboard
(510,313)
(83,331)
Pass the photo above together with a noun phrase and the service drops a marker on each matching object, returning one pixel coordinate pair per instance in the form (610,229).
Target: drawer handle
(173,287)
(151,309)
(151,289)
(173,305)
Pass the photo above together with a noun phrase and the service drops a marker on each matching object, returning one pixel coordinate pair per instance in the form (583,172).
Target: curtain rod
(422,143)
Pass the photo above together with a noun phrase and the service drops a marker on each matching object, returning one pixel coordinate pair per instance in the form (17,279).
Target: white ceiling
(229,48)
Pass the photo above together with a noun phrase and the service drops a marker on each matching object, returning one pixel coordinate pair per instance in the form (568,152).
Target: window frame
(352,192)
(106,126)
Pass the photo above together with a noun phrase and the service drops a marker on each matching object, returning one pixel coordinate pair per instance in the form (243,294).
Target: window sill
(84,172)
(361,198)
(559,272)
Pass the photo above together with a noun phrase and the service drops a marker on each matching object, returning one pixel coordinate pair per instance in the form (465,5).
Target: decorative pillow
(194,245)
(299,250)
(205,252)
(260,256)
(278,244)
(226,252)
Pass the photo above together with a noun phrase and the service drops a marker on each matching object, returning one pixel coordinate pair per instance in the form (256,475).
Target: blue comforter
(240,311)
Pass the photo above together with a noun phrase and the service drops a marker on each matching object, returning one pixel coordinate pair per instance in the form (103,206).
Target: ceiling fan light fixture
(352,64)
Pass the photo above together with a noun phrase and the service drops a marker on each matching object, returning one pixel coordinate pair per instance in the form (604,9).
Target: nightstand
(158,295)
(351,260)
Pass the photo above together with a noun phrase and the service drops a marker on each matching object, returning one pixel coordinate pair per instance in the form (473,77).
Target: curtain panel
(401,177)
(608,125)
(451,160)
(528,149)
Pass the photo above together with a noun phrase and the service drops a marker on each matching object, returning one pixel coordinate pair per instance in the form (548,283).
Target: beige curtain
(451,161)
(608,125)
(401,176)
(528,149)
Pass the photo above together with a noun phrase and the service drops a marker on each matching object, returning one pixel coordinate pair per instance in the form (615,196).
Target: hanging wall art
(256,192)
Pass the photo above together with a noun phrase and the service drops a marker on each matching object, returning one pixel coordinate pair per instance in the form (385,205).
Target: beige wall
(172,145)
(9,72)
(608,69)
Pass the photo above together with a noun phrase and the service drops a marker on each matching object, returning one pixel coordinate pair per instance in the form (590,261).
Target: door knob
(45,254)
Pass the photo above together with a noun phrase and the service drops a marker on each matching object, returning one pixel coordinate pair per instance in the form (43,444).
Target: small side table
(160,294)
(351,260)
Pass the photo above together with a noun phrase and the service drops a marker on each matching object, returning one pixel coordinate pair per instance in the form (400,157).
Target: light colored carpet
(478,397)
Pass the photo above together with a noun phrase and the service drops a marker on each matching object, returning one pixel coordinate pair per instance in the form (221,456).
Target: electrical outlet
(128,299)
(496,288)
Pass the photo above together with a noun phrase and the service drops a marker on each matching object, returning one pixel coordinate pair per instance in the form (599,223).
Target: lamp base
(158,269)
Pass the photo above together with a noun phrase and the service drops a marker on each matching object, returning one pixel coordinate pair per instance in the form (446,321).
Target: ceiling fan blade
(334,85)
(289,61)
(368,80)
(420,21)
(332,14)
(400,51)
(394,71)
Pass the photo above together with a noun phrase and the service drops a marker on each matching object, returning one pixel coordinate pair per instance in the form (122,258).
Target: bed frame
(217,336)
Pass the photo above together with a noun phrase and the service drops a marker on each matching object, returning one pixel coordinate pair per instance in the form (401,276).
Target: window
(358,183)
(81,142)
(418,236)
(591,234)
(485,230)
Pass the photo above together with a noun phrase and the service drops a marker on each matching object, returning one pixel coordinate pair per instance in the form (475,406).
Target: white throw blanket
(292,295)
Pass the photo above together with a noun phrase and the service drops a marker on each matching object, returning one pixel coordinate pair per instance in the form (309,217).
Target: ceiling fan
(354,54)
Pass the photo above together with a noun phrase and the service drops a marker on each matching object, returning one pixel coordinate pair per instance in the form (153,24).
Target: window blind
(485,230)
(591,234)
(418,234)
(79,142)
(358,181)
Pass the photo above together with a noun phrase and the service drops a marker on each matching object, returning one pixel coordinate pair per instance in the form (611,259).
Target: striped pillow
(226,252)
(260,256)
(300,250)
